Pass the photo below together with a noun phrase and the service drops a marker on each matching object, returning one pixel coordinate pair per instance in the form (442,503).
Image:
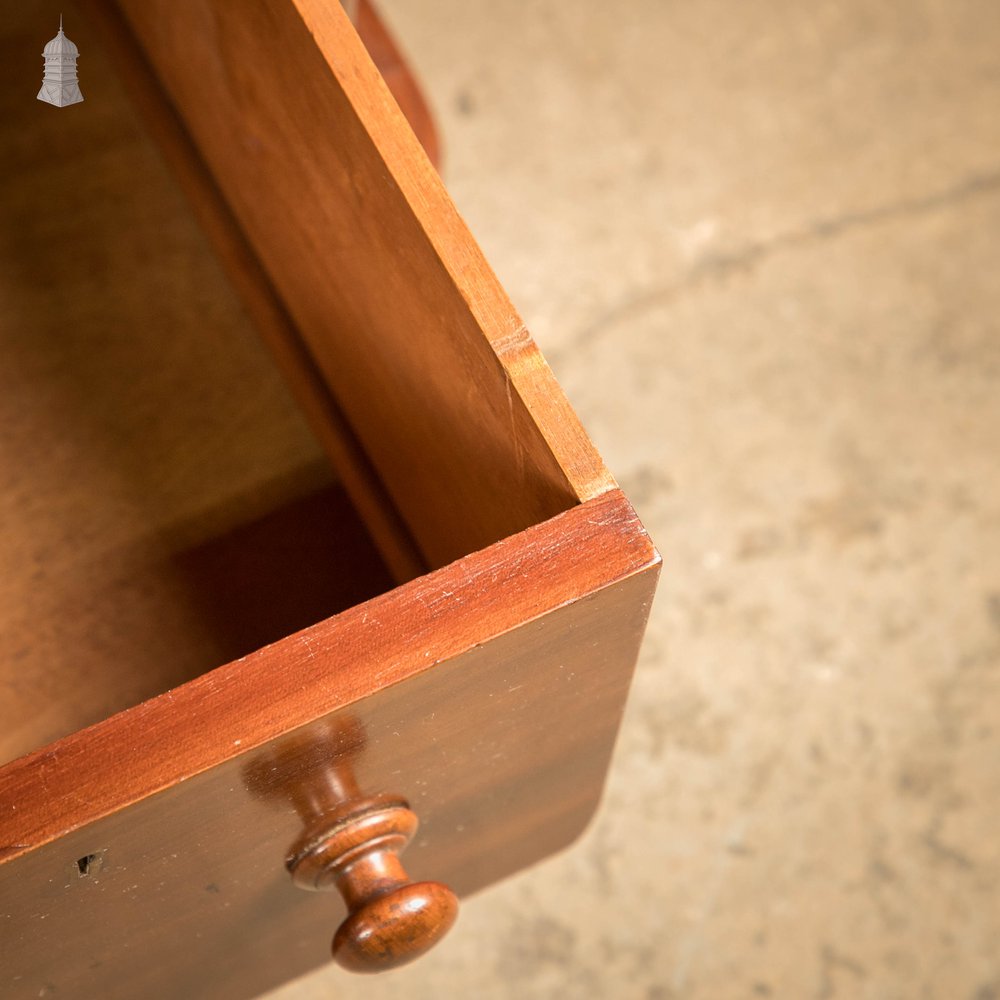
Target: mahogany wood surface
(351,842)
(431,365)
(391,920)
(139,857)
(161,122)
(163,505)
(489,692)
(149,454)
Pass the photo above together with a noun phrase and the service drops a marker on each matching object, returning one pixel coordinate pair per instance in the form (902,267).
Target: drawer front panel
(488,695)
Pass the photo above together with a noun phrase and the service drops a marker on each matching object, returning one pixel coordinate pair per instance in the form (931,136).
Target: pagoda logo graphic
(59,85)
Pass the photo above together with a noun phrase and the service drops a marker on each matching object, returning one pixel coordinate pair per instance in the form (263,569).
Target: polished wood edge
(270,317)
(382,642)
(528,375)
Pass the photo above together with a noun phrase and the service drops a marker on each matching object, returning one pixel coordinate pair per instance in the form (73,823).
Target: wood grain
(106,278)
(430,363)
(159,120)
(489,691)
(139,857)
(163,505)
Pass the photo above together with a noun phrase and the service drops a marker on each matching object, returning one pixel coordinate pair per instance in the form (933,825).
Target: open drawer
(212,641)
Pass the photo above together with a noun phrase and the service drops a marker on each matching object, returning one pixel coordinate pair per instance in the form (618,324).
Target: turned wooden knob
(355,849)
(351,842)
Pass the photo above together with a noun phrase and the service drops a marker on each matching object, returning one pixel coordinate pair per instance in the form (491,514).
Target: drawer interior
(164,506)
(168,500)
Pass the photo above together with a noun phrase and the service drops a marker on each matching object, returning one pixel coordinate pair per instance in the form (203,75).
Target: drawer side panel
(433,368)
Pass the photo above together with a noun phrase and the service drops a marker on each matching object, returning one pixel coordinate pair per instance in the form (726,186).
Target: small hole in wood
(89,864)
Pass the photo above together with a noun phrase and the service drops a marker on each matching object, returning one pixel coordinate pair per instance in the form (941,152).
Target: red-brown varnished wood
(161,121)
(351,842)
(432,367)
(145,856)
(391,920)
(163,505)
(157,117)
(489,692)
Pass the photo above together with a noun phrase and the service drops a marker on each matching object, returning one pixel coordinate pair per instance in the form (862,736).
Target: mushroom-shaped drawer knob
(355,849)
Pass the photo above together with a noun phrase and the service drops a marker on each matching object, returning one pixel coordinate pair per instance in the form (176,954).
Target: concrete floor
(760,244)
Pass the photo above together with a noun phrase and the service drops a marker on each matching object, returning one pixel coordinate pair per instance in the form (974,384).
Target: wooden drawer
(451,619)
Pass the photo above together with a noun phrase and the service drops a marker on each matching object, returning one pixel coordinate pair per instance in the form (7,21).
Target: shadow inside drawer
(286,570)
